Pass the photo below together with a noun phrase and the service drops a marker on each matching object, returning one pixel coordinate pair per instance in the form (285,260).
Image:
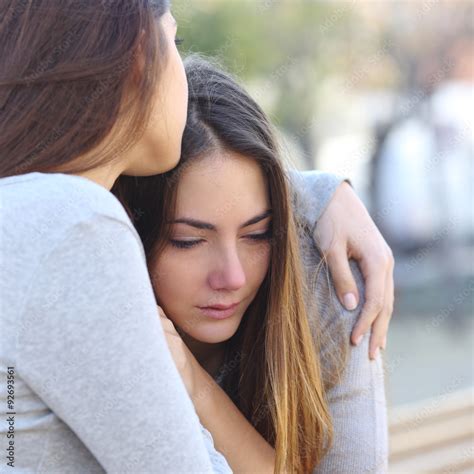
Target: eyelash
(178,41)
(184,244)
(187,244)
(264,236)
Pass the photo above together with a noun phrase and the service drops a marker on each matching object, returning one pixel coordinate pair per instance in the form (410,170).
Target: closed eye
(185,244)
(261,236)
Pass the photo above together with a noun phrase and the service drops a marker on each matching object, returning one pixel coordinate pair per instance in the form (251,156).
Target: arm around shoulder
(312,191)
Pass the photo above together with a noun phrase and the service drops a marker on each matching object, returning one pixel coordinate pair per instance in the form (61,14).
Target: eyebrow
(207,226)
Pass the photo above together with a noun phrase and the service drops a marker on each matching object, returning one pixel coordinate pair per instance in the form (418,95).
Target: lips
(219,311)
(220,306)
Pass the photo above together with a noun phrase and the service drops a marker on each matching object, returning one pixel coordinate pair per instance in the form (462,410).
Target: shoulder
(46,206)
(61,225)
(354,383)
(320,285)
(57,192)
(330,322)
(311,191)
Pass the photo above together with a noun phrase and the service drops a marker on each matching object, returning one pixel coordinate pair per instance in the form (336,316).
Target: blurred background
(381,92)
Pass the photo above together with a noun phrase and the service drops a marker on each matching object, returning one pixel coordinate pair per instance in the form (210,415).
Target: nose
(228,273)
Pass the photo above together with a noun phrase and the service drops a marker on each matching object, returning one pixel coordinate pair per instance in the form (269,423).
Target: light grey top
(95,386)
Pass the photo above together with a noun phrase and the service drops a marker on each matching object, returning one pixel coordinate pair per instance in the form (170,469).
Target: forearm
(312,192)
(244,448)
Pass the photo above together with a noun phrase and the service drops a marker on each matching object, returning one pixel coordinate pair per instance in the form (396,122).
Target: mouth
(219,311)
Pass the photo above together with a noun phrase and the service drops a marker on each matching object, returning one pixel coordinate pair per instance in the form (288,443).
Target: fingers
(378,308)
(165,321)
(375,282)
(378,338)
(344,281)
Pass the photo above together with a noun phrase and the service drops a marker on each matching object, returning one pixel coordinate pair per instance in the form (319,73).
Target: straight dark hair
(65,71)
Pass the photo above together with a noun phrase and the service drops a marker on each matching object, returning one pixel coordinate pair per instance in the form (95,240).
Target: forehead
(222,188)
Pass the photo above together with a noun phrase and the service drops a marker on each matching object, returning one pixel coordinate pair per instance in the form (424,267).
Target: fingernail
(376,352)
(350,301)
(358,340)
(384,343)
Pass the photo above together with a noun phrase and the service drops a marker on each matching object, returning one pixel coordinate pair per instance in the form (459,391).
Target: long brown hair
(65,74)
(278,384)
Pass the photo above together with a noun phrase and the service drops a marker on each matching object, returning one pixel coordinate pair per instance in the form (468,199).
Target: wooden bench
(433,436)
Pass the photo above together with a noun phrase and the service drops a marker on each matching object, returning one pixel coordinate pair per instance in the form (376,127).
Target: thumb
(344,282)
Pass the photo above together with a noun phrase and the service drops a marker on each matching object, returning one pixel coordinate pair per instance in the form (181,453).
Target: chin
(214,335)
(154,165)
(171,163)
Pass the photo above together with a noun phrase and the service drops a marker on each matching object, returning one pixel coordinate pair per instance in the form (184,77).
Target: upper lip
(220,306)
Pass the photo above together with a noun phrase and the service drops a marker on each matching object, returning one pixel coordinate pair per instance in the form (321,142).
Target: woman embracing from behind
(88,90)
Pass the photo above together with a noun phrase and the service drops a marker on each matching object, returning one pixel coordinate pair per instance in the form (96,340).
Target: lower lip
(219,313)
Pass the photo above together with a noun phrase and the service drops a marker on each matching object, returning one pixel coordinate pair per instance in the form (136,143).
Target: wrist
(204,389)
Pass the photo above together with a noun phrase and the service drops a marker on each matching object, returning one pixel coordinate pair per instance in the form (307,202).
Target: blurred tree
(278,47)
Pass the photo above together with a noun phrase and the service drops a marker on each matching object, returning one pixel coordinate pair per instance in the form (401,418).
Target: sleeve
(91,345)
(312,191)
(219,462)
(358,409)
(357,402)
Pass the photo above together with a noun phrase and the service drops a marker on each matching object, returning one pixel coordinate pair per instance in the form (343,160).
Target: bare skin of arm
(244,448)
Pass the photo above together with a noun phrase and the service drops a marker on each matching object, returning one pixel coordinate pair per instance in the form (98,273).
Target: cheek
(170,107)
(258,261)
(184,92)
(176,282)
(178,91)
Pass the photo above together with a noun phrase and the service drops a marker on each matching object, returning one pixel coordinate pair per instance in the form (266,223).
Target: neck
(104,176)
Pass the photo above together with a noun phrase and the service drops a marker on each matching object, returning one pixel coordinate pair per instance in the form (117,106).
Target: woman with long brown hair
(88,90)
(223,250)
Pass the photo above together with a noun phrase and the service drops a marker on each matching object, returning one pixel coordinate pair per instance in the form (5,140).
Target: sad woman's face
(219,250)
